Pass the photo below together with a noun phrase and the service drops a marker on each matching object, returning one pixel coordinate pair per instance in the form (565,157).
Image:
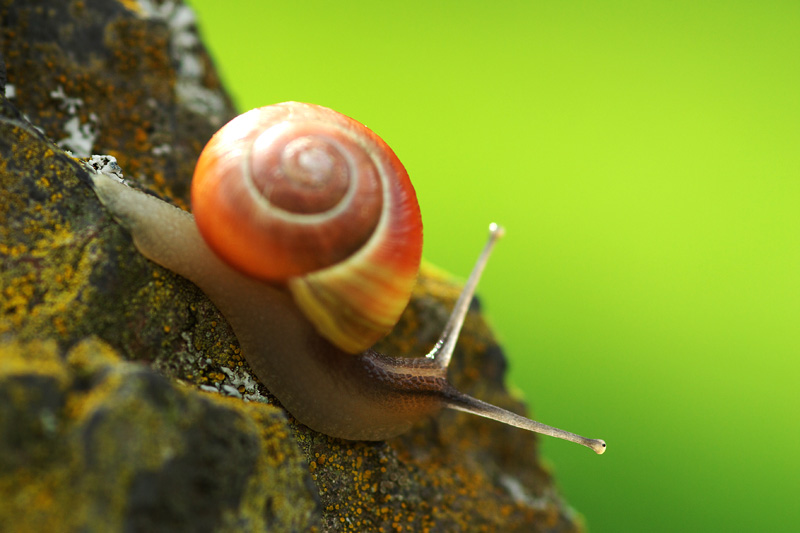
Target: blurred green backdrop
(645,159)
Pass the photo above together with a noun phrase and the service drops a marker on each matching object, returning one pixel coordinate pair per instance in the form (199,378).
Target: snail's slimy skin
(366,396)
(334,392)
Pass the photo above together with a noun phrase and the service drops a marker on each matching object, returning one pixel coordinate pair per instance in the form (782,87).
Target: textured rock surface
(93,443)
(121,386)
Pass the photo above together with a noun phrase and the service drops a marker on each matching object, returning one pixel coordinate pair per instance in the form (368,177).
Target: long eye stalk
(443,351)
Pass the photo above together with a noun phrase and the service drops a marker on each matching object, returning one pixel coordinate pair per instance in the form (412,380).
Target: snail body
(306,324)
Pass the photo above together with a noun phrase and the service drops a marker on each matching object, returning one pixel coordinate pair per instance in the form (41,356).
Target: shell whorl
(300,194)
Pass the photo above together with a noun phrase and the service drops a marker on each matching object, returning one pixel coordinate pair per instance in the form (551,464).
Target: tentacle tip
(599,446)
(496,230)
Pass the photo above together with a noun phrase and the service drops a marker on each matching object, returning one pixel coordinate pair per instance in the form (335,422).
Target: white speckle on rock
(10,91)
(520,495)
(182,18)
(68,104)
(231,391)
(155,10)
(186,52)
(80,137)
(199,99)
(162,149)
(190,67)
(237,378)
(104,164)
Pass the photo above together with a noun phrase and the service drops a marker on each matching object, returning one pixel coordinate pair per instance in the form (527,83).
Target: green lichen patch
(58,262)
(45,257)
(93,443)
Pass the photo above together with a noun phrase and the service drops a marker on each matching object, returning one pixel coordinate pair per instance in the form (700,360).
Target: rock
(124,401)
(92,443)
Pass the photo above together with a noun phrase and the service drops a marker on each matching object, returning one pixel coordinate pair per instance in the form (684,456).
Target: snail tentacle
(443,350)
(463,402)
(439,359)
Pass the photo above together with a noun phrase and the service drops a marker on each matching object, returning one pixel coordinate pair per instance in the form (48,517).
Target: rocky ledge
(125,403)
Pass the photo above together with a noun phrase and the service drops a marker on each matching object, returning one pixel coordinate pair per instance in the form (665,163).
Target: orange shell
(300,194)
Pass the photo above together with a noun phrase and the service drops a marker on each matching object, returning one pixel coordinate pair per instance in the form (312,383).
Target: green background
(645,160)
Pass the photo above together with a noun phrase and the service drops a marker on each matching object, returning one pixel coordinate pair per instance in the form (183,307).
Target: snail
(306,289)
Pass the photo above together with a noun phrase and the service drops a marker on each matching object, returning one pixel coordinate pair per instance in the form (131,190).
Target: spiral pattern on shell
(300,194)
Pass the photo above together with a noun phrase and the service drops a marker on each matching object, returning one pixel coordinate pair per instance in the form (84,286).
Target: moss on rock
(93,443)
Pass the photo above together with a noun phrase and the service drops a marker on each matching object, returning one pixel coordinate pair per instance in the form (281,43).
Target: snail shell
(300,194)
